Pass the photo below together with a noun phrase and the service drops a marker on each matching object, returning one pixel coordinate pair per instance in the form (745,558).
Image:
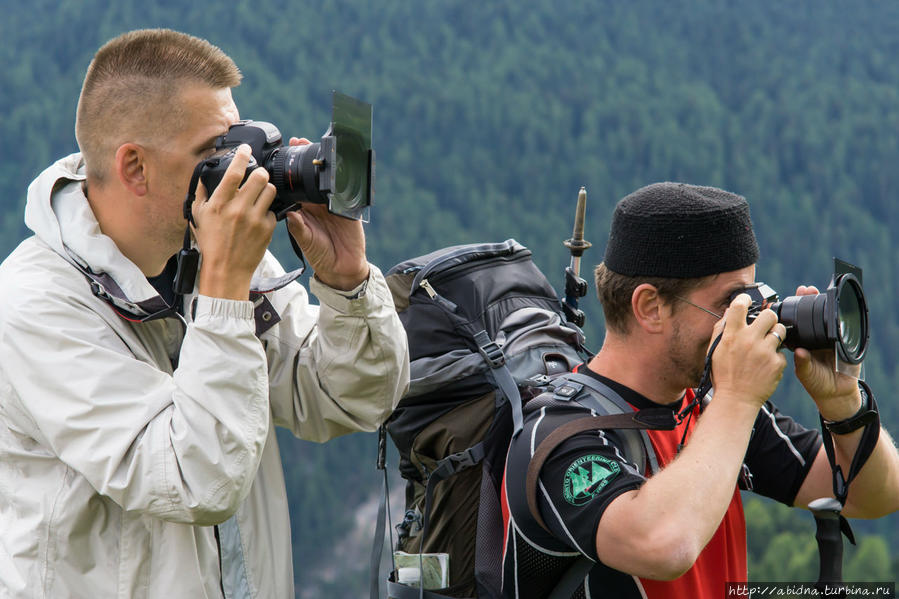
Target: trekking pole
(830,545)
(575,286)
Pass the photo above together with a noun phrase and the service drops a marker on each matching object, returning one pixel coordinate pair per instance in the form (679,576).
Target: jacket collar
(58,213)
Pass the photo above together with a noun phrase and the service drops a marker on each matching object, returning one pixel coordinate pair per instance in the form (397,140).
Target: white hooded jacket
(124,443)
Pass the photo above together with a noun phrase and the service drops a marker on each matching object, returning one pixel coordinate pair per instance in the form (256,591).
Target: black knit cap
(680,231)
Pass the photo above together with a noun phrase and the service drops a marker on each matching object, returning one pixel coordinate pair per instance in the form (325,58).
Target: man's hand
(836,394)
(333,245)
(747,365)
(234,228)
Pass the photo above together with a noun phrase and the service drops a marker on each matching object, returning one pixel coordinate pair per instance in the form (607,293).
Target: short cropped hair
(130,85)
(616,290)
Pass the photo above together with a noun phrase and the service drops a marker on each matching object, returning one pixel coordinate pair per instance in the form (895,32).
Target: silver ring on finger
(780,340)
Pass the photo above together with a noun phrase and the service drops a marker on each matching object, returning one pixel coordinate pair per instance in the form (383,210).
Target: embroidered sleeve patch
(587,476)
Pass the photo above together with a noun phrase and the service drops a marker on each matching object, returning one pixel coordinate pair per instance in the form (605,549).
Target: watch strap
(866,414)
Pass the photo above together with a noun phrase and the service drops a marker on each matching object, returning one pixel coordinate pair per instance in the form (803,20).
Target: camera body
(299,173)
(762,296)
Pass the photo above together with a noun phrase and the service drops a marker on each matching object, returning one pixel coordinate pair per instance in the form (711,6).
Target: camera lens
(838,317)
(294,176)
(852,319)
(803,315)
(351,177)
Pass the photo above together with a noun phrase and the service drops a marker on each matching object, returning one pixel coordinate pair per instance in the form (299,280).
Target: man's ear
(649,309)
(131,168)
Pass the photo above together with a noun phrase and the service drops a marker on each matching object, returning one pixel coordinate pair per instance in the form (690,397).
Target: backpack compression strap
(502,376)
(382,520)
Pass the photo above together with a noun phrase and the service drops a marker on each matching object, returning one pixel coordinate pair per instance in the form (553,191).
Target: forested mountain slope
(488,117)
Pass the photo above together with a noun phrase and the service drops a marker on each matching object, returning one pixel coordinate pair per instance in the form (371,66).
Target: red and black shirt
(586,472)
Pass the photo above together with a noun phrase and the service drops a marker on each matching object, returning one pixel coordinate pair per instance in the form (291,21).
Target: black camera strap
(189,256)
(699,393)
(830,524)
(866,445)
(296,248)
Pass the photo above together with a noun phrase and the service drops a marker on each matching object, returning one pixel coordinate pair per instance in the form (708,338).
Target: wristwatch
(866,414)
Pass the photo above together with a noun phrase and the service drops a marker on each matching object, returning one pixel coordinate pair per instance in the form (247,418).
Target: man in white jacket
(138,455)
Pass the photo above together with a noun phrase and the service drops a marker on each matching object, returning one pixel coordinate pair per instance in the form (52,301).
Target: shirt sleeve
(780,453)
(338,367)
(578,481)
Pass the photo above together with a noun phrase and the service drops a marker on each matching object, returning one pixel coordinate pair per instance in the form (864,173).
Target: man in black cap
(676,256)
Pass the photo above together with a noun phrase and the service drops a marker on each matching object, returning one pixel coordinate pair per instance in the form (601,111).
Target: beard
(686,357)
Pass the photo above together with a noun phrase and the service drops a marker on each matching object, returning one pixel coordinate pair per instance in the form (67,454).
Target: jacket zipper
(218,545)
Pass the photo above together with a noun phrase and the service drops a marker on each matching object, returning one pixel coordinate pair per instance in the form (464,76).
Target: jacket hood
(58,213)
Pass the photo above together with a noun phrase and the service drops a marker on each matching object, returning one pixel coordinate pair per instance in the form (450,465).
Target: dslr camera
(337,172)
(837,318)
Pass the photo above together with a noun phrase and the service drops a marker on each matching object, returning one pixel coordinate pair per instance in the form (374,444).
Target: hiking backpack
(481,319)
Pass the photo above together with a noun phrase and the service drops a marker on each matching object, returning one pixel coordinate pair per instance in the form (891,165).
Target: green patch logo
(587,476)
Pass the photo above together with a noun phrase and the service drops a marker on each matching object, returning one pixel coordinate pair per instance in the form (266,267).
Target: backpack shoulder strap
(605,400)
(613,416)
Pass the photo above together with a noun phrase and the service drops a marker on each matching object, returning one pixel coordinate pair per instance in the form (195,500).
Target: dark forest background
(488,117)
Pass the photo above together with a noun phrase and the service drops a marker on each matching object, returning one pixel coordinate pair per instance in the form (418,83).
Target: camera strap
(296,249)
(830,524)
(866,445)
(188,256)
(699,394)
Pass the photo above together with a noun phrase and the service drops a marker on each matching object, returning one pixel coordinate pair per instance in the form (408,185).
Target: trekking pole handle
(830,542)
(577,244)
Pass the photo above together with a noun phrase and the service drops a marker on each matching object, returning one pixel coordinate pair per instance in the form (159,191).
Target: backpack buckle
(488,348)
(458,461)
(567,391)
(462,460)
(538,380)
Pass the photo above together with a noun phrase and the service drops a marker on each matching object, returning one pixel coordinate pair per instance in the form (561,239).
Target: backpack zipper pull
(426,285)
(448,305)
